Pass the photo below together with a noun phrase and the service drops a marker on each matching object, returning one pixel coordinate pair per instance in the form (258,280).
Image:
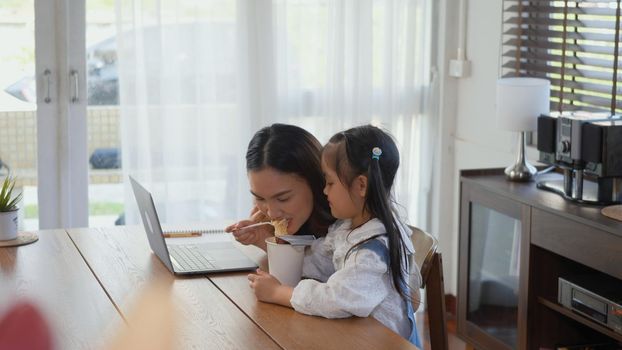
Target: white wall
(468,136)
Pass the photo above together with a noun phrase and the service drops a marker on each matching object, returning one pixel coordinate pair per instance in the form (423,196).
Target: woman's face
(282,196)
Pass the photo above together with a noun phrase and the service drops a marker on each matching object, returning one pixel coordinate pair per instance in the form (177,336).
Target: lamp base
(521,170)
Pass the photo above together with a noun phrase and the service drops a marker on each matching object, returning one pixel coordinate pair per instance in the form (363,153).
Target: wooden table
(86,280)
(52,274)
(293,330)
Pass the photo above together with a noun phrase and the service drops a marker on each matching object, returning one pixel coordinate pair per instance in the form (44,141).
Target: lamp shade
(520,101)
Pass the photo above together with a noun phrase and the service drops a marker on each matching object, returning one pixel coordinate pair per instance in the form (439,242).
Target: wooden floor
(454,342)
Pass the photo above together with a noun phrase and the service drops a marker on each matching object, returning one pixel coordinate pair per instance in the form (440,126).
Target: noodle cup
(285,261)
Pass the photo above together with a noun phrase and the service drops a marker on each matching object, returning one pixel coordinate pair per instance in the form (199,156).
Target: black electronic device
(593,297)
(583,144)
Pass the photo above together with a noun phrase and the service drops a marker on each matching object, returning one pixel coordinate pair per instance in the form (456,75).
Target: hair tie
(375,153)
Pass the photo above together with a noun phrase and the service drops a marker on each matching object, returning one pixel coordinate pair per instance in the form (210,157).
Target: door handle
(75,96)
(47,82)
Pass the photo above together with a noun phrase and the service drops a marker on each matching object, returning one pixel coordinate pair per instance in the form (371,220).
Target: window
(574,44)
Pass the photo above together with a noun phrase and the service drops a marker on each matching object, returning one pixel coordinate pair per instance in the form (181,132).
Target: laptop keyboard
(190,257)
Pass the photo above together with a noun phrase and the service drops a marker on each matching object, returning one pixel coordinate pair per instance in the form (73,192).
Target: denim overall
(381,250)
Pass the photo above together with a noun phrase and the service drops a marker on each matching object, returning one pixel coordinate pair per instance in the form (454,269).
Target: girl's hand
(254,235)
(267,288)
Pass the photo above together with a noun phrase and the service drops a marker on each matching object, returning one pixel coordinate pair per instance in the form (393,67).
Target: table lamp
(519,103)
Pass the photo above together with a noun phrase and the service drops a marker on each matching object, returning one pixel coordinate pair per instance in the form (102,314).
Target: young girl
(361,267)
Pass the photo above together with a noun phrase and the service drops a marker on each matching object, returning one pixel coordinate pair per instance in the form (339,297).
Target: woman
(286,180)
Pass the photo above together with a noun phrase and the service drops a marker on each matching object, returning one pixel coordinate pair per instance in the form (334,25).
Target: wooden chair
(431,266)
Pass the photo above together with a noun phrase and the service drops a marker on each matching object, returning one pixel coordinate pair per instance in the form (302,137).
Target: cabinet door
(494,256)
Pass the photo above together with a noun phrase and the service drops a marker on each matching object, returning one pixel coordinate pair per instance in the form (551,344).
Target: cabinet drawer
(592,247)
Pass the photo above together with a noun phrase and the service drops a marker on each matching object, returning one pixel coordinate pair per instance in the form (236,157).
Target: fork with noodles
(280,227)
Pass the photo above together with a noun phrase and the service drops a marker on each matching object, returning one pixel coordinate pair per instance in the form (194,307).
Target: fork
(255,225)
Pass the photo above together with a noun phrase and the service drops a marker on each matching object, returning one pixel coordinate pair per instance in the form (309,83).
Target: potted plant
(8,210)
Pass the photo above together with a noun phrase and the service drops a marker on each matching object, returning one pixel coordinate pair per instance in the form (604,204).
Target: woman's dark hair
(350,155)
(293,150)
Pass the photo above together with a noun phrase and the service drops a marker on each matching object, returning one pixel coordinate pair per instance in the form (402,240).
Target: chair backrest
(425,247)
(430,264)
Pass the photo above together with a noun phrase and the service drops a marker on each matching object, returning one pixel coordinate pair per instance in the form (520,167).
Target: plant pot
(8,225)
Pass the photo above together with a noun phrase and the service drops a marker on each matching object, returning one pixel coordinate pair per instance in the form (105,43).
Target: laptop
(183,259)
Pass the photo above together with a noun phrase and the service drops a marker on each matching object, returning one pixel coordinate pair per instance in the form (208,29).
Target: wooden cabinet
(515,243)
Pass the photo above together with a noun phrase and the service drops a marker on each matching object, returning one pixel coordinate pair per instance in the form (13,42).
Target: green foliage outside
(31,211)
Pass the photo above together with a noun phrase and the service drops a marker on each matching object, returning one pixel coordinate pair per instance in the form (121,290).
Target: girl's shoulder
(339,225)
(373,233)
(335,230)
(375,226)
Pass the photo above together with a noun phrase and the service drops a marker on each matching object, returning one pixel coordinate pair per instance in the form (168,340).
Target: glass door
(57,58)
(494,246)
(61,114)
(494,260)
(106,192)
(18,107)
(42,133)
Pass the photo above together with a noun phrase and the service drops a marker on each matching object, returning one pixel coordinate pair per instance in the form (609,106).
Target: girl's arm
(269,289)
(318,261)
(356,289)
(317,264)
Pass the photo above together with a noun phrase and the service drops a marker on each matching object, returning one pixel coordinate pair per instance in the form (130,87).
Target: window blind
(574,44)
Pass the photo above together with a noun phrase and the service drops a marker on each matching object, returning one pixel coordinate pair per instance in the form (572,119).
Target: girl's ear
(360,185)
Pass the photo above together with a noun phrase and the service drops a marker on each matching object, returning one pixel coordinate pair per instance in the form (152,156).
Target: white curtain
(198,78)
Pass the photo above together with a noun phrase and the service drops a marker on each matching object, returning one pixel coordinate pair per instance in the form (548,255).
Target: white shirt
(359,286)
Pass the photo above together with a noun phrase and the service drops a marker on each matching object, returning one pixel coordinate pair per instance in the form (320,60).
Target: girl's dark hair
(293,150)
(350,155)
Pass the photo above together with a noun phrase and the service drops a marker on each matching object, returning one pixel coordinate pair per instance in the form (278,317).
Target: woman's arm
(255,235)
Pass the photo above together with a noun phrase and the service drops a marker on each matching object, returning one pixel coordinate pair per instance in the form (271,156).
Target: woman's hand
(254,235)
(267,288)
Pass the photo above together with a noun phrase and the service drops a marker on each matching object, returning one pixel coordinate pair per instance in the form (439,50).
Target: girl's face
(282,196)
(345,203)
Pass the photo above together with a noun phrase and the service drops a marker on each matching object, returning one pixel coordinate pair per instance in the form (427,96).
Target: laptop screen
(149,216)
